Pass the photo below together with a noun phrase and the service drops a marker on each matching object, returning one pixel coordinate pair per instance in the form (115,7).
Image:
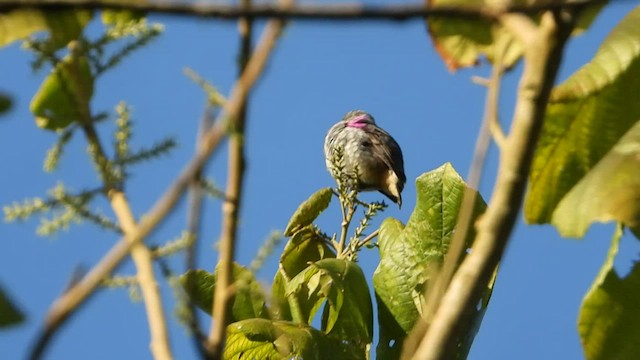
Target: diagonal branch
(221,303)
(67,303)
(544,46)
(436,289)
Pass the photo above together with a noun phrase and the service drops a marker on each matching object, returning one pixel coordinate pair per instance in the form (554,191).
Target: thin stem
(294,305)
(347,215)
(368,238)
(194,218)
(543,54)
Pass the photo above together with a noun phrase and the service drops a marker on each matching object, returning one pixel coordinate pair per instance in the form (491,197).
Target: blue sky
(319,71)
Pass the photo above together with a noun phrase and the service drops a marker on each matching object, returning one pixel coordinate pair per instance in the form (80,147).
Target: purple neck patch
(358,122)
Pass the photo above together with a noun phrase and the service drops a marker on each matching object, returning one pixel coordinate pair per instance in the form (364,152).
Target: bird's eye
(366,143)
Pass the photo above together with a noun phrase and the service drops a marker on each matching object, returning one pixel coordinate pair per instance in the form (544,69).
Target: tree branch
(230,207)
(347,12)
(65,306)
(543,54)
(194,217)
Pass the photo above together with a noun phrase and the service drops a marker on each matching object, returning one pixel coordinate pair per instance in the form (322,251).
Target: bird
(368,153)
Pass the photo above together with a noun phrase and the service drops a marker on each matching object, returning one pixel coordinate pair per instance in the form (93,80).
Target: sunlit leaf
(266,339)
(609,191)
(608,320)
(64,95)
(409,255)
(248,300)
(305,247)
(63,25)
(309,211)
(348,313)
(464,42)
(9,313)
(616,54)
(592,110)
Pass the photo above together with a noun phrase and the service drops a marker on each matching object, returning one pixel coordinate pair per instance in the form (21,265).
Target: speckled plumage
(373,150)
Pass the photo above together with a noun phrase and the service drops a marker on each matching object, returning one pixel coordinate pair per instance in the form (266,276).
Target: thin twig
(194,217)
(231,205)
(347,215)
(347,12)
(543,54)
(368,238)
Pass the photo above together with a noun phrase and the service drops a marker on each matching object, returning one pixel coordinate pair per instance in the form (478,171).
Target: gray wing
(388,151)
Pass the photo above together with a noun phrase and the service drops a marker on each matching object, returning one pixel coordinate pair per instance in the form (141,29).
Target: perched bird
(370,149)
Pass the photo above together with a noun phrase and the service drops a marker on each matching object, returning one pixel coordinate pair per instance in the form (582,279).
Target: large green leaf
(63,26)
(589,114)
(608,320)
(64,95)
(9,313)
(309,211)
(463,42)
(348,313)
(305,247)
(408,255)
(248,300)
(609,191)
(274,340)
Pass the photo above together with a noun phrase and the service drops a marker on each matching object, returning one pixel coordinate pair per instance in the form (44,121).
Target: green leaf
(270,340)
(409,255)
(391,334)
(348,313)
(463,42)
(9,313)
(118,18)
(305,247)
(5,103)
(64,95)
(589,114)
(608,319)
(248,300)
(63,25)
(609,191)
(309,211)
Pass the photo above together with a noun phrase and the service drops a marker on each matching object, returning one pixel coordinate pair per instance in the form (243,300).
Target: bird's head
(358,119)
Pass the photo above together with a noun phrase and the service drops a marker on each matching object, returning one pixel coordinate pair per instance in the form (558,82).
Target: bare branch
(64,306)
(231,205)
(443,276)
(347,12)
(543,54)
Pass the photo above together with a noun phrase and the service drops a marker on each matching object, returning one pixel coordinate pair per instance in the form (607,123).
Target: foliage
(463,42)
(411,255)
(584,170)
(607,320)
(587,116)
